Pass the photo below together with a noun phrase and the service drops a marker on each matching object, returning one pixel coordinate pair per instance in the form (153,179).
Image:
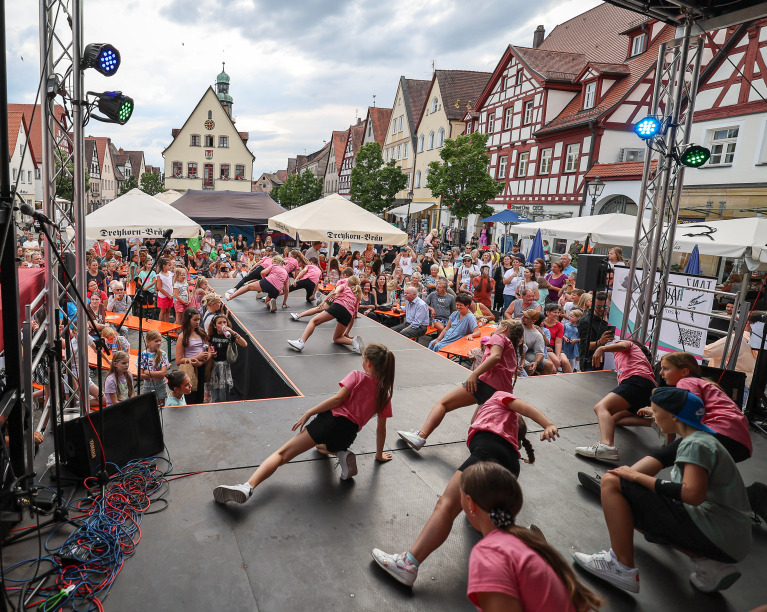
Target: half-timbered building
(353,143)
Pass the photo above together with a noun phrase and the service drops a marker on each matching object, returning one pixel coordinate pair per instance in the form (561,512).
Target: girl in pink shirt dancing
(274,278)
(362,396)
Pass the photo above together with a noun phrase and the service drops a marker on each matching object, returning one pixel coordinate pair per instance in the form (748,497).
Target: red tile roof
(594,33)
(102,142)
(14,121)
(282,175)
(639,66)
(417,90)
(553,65)
(459,88)
(357,135)
(35,125)
(339,147)
(619,171)
(610,68)
(380,118)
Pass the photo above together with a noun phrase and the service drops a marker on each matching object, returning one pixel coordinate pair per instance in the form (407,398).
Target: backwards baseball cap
(685,406)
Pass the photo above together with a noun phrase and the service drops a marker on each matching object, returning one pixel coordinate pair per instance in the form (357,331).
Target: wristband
(672,490)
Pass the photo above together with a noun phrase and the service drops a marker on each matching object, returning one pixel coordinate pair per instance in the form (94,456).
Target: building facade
(22,157)
(335,161)
(353,143)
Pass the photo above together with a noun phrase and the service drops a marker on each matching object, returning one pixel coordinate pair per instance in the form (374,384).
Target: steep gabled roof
(15,120)
(34,125)
(89,147)
(339,146)
(135,162)
(102,143)
(117,157)
(459,88)
(638,66)
(552,65)
(595,33)
(282,175)
(379,117)
(357,135)
(415,96)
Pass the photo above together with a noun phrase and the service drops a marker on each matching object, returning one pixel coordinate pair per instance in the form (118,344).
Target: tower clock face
(209,125)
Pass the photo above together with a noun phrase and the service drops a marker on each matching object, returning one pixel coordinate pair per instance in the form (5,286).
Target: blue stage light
(103,57)
(647,128)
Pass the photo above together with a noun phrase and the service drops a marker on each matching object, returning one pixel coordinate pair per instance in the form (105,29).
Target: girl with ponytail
(512,567)
(362,396)
(493,436)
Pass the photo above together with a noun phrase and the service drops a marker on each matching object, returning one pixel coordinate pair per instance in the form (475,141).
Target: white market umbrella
(169,196)
(336,219)
(138,215)
(578,228)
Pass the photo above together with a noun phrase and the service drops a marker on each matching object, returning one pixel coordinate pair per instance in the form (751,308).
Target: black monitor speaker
(591,272)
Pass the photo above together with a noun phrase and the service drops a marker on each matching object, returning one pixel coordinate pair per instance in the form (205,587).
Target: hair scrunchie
(501,518)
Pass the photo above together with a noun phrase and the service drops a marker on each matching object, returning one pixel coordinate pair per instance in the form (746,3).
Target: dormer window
(638,44)
(589,95)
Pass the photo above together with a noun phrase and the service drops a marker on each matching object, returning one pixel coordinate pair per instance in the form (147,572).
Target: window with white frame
(404,151)
(545,167)
(178,169)
(399,151)
(387,154)
(431,141)
(426,177)
(434,103)
(490,123)
(571,164)
(589,95)
(194,140)
(441,137)
(723,143)
(223,142)
(524,158)
(417,179)
(401,122)
(502,163)
(420,143)
(29,176)
(638,44)
(528,112)
(507,119)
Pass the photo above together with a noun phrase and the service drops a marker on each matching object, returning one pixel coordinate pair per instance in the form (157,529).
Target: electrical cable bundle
(86,566)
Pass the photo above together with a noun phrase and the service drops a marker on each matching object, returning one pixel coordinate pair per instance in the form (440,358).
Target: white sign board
(674,335)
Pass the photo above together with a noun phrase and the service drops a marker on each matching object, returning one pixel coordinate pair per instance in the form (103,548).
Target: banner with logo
(675,335)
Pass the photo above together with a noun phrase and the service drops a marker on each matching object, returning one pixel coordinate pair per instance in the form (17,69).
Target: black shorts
(269,289)
(667,454)
(336,432)
(483,393)
(339,313)
(663,520)
(487,446)
(636,390)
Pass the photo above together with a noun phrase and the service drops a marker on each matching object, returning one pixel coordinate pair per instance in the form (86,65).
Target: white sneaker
(604,565)
(413,440)
(710,576)
(297,344)
(295,316)
(398,566)
(266,297)
(348,462)
(236,493)
(598,451)
(229,293)
(273,305)
(358,345)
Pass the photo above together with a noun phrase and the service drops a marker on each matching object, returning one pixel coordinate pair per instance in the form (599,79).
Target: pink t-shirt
(313,273)
(722,414)
(360,405)
(266,262)
(291,263)
(501,377)
(633,363)
(277,277)
(502,563)
(496,417)
(346,298)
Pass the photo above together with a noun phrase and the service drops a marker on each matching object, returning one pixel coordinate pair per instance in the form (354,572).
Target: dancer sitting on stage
(344,302)
(636,382)
(512,567)
(497,372)
(362,396)
(493,436)
(702,511)
(275,277)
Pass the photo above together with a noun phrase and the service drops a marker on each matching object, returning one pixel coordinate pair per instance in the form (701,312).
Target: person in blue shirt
(567,266)
(416,315)
(461,323)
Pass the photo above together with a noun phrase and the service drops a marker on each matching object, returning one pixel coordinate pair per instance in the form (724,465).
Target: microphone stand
(141,300)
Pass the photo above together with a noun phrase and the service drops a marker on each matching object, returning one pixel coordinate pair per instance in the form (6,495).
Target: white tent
(168,197)
(138,215)
(577,228)
(336,219)
(745,237)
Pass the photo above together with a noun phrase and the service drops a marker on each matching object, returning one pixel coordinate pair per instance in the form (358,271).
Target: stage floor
(303,541)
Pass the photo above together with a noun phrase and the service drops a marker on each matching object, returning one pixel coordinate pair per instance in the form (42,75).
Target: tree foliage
(374,185)
(275,193)
(151,183)
(64,186)
(462,179)
(299,189)
(128,184)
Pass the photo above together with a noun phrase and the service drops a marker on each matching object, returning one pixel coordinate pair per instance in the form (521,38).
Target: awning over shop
(415,207)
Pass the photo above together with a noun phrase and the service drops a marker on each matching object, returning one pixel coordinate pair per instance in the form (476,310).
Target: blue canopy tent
(693,263)
(506,216)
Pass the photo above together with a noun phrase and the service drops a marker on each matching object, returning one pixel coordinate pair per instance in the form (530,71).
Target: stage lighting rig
(648,128)
(114,106)
(103,57)
(694,156)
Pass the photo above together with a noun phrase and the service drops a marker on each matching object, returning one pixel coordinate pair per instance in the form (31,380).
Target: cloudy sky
(298,69)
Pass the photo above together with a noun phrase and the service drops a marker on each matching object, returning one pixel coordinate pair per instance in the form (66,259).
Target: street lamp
(409,201)
(596,187)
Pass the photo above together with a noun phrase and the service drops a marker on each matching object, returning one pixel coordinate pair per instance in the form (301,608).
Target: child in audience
(164,287)
(572,338)
(220,336)
(181,299)
(154,366)
(119,384)
(179,385)
(114,341)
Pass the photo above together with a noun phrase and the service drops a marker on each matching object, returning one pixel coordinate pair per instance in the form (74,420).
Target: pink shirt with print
(502,563)
(276,277)
(346,298)
(501,377)
(633,362)
(360,405)
(291,263)
(313,273)
(496,417)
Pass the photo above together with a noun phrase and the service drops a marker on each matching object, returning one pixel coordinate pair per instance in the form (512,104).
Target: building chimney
(538,36)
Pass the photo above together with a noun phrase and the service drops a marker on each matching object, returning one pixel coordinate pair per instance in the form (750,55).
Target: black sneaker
(593,484)
(757,497)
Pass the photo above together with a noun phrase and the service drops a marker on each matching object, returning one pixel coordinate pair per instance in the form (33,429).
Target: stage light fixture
(103,57)
(115,107)
(647,128)
(695,156)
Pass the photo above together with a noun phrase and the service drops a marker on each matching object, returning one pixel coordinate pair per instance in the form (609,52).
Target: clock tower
(222,90)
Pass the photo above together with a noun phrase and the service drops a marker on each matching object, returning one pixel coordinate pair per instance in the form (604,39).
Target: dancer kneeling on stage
(362,396)
(702,511)
(272,283)
(493,436)
(512,567)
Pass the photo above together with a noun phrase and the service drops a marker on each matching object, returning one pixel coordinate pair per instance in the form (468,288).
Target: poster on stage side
(674,336)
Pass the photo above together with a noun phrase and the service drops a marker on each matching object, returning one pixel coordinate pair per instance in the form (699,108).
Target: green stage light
(116,107)
(695,156)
